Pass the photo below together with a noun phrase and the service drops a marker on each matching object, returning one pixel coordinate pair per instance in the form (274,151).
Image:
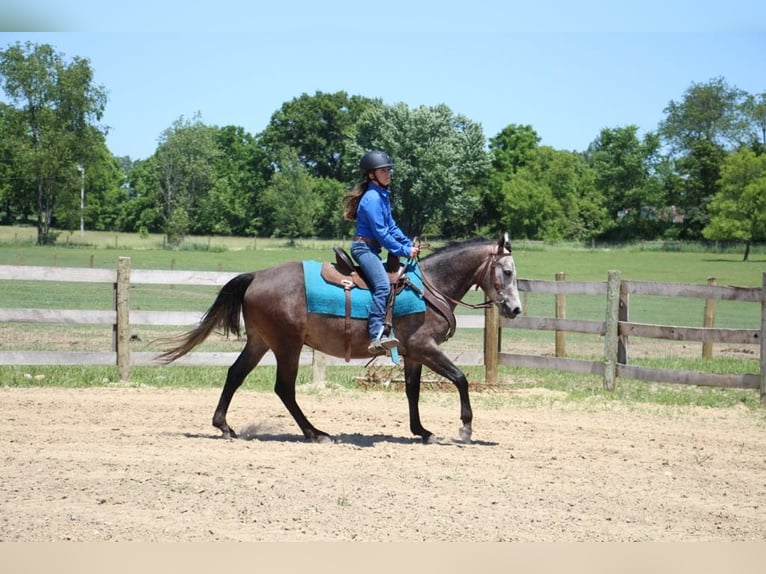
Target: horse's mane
(454,246)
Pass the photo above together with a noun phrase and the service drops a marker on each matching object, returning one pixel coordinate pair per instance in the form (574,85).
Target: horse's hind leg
(249,357)
(287,372)
(412,373)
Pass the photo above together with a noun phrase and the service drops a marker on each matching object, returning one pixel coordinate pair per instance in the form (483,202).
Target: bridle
(488,267)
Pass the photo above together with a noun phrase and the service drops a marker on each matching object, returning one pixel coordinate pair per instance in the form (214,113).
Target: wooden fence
(616,329)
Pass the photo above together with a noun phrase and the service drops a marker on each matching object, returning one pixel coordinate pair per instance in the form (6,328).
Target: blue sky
(567,69)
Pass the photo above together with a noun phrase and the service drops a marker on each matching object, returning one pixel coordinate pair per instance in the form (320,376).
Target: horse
(273,304)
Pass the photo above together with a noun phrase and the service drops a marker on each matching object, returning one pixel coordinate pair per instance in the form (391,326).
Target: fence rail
(616,329)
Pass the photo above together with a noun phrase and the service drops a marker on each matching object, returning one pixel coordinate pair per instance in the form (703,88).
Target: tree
(316,128)
(625,176)
(439,162)
(57,107)
(143,208)
(739,208)
(290,201)
(529,209)
(511,147)
(755,112)
(711,111)
(709,121)
(580,212)
(243,171)
(102,183)
(509,151)
(186,158)
(700,172)
(550,197)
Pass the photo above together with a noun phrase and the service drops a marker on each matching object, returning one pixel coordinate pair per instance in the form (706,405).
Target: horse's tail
(223,313)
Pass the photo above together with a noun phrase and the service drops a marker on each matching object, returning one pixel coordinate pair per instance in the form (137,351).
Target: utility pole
(81,169)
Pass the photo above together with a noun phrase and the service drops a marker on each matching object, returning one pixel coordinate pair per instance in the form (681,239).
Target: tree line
(701,174)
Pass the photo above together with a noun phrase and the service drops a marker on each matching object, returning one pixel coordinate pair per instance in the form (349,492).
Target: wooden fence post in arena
(611,330)
(561,313)
(491,344)
(709,322)
(623,314)
(122,327)
(318,362)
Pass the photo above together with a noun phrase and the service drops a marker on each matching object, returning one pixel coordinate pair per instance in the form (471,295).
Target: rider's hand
(414,251)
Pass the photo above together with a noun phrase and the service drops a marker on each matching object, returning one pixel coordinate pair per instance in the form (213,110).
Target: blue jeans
(378,282)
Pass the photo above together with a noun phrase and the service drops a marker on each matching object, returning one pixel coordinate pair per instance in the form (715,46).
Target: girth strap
(347,286)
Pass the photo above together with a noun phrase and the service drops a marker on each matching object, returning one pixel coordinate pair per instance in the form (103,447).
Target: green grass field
(644,262)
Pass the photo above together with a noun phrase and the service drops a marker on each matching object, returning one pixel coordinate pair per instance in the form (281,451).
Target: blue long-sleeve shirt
(374,221)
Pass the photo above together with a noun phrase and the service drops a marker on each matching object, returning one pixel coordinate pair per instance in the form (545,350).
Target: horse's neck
(455,274)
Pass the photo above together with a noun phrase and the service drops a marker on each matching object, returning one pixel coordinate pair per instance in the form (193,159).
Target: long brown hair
(352,198)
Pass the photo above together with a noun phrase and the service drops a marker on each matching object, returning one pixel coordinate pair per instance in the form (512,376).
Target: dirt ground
(142,464)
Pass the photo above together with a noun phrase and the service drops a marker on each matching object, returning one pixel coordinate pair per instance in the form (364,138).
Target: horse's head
(502,288)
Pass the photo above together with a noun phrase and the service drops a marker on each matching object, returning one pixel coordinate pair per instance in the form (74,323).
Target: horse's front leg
(440,364)
(412,373)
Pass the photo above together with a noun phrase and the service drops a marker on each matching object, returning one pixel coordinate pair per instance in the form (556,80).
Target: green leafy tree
(511,148)
(240,174)
(316,128)
(755,113)
(625,168)
(700,172)
(739,208)
(509,151)
(16,203)
(700,129)
(711,111)
(292,205)
(439,162)
(529,209)
(550,197)
(580,211)
(330,223)
(243,171)
(100,201)
(143,209)
(57,107)
(186,157)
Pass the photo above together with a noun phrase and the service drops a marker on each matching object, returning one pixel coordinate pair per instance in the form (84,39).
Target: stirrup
(383,345)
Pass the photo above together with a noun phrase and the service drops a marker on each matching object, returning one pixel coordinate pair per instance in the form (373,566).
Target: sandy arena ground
(142,464)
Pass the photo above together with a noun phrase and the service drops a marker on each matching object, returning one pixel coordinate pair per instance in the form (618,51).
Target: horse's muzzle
(509,311)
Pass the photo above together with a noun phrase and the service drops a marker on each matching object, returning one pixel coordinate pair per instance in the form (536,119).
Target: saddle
(344,270)
(345,274)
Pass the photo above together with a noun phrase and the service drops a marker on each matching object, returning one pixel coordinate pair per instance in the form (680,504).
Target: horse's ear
(504,244)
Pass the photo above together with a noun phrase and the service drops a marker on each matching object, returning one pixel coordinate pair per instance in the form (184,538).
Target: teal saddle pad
(329,299)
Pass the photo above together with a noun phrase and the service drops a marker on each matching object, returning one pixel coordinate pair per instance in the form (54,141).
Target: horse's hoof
(323,439)
(465,435)
(430,439)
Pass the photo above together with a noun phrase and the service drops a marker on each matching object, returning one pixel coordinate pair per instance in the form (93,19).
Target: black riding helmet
(373,160)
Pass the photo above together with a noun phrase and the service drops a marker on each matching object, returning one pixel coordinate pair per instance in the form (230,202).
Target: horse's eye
(507,272)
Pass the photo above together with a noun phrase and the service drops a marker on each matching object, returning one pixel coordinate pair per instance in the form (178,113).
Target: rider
(369,203)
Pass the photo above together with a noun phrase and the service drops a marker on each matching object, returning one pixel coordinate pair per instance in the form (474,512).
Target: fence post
(318,362)
(561,313)
(611,330)
(623,314)
(763,342)
(709,322)
(491,344)
(122,306)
